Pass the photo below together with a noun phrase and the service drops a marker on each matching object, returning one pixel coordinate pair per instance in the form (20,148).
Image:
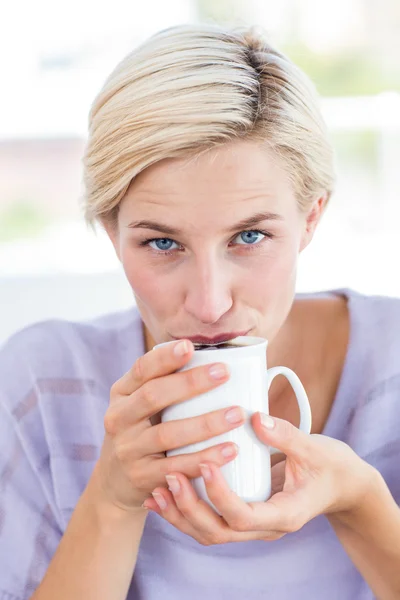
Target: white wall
(25,300)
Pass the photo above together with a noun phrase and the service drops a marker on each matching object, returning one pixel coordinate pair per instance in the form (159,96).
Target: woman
(208,165)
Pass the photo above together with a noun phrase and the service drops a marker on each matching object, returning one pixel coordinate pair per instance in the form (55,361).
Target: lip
(217,339)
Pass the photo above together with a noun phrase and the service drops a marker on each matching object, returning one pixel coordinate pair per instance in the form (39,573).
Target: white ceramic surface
(249,474)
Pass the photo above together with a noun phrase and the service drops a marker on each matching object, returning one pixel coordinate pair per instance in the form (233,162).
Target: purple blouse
(55,379)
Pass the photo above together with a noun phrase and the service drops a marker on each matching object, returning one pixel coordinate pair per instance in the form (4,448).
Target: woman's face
(210,245)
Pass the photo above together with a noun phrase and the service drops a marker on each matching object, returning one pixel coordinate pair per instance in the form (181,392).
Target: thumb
(286,512)
(284,436)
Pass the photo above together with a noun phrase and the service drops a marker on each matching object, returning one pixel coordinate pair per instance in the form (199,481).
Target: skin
(207,284)
(206,280)
(212,282)
(209,277)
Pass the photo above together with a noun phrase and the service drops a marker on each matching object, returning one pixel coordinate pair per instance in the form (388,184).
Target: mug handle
(301,397)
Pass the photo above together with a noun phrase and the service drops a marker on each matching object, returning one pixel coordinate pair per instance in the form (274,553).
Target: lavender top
(55,379)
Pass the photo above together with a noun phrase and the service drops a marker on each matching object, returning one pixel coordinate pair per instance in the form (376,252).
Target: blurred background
(54,58)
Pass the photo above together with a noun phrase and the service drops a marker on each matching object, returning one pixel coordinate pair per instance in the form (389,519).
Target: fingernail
(145,507)
(230,450)
(173,483)
(218,371)
(206,472)
(181,348)
(159,498)
(234,415)
(267,421)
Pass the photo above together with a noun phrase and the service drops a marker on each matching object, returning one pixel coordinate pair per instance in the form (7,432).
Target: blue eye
(250,237)
(244,238)
(161,244)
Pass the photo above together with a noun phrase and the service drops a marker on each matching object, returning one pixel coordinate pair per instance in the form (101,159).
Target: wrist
(365,503)
(107,510)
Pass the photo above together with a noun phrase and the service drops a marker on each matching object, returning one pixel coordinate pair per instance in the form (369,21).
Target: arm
(322,476)
(97,554)
(371,537)
(96,557)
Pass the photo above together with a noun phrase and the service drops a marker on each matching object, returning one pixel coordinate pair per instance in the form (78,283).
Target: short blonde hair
(194,87)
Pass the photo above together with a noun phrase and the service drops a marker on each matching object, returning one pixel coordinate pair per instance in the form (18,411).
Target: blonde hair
(190,88)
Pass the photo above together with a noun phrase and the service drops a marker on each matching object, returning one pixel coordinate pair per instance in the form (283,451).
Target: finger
(236,512)
(179,433)
(158,393)
(284,512)
(209,527)
(152,468)
(284,436)
(203,520)
(162,502)
(156,363)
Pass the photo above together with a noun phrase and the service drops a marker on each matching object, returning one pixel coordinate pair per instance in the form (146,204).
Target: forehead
(241,176)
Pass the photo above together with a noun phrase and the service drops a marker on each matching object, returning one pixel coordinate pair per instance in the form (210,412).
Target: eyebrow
(247,223)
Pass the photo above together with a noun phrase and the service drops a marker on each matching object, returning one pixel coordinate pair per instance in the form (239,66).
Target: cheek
(282,280)
(281,286)
(149,288)
(269,286)
(284,262)
(141,280)
(271,271)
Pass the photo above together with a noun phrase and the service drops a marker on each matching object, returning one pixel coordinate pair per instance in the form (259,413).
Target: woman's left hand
(321,475)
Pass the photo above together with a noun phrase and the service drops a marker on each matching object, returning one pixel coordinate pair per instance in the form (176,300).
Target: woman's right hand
(133,461)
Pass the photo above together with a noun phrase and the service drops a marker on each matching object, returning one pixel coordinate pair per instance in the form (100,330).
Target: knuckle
(138,369)
(241,525)
(162,437)
(168,465)
(202,538)
(288,431)
(191,380)
(207,425)
(121,452)
(138,478)
(149,396)
(110,422)
(293,522)
(114,390)
(215,539)
(213,454)
(206,541)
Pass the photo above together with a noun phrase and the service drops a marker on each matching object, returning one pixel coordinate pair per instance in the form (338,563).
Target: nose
(209,294)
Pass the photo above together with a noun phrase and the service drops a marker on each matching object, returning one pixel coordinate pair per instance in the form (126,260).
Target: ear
(111,228)
(313,217)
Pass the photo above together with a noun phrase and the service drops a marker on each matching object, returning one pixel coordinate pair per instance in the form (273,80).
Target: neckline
(342,408)
(339,415)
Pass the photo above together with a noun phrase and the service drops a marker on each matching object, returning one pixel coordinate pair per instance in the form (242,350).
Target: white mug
(249,473)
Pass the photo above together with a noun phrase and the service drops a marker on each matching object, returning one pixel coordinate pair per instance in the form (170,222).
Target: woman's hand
(321,476)
(132,461)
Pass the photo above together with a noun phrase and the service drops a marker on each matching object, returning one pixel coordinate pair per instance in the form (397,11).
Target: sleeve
(30,522)
(29,531)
